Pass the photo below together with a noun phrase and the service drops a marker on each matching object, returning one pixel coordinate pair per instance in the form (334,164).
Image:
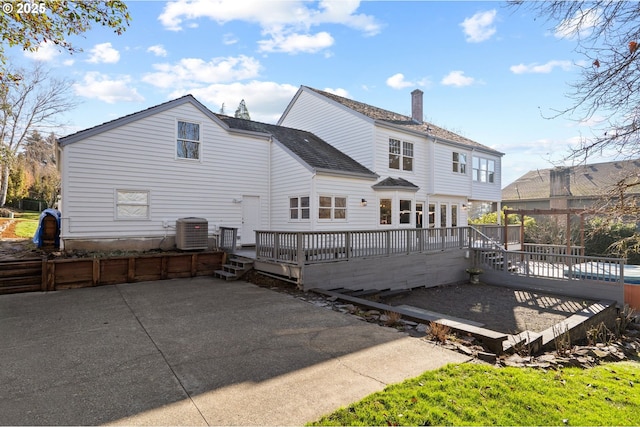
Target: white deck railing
(542,261)
(307,247)
(541,264)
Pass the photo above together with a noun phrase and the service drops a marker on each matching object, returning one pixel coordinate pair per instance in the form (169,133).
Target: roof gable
(104,127)
(401,121)
(390,183)
(592,180)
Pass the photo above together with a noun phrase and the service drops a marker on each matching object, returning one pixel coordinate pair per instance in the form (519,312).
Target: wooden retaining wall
(56,274)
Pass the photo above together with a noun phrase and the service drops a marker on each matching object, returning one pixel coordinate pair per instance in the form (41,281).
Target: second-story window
(188,141)
(394,154)
(484,170)
(459,163)
(400,155)
(407,156)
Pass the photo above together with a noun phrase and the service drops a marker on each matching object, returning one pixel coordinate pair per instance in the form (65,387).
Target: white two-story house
(428,176)
(329,164)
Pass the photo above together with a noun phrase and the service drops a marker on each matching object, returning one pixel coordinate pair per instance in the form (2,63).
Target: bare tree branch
(34,103)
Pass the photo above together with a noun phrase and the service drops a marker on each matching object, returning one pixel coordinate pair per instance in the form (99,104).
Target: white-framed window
(454,215)
(188,140)
(407,156)
(299,209)
(405,211)
(394,153)
(400,154)
(443,215)
(385,212)
(132,204)
(332,208)
(432,215)
(484,170)
(459,163)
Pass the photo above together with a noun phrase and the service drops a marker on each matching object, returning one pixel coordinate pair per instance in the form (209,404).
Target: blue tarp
(37,237)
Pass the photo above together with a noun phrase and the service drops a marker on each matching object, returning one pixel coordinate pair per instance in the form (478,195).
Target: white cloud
(229,39)
(339,91)
(267,14)
(580,24)
(397,81)
(110,90)
(296,43)
(46,52)
(286,23)
(458,79)
(480,27)
(157,50)
(104,53)
(265,100)
(535,68)
(192,71)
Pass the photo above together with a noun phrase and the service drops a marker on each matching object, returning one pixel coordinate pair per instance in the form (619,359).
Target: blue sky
(489,73)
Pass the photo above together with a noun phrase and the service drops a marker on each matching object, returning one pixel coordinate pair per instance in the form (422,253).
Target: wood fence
(48,275)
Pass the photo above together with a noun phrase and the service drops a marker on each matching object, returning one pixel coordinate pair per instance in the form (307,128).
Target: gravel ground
(498,308)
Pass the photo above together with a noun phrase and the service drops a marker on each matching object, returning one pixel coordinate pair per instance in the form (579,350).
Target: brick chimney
(416,105)
(559,187)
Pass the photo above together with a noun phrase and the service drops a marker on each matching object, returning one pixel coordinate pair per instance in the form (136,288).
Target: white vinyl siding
(446,181)
(358,216)
(335,124)
(141,154)
(289,178)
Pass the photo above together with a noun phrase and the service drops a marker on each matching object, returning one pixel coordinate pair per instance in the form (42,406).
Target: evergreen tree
(242,112)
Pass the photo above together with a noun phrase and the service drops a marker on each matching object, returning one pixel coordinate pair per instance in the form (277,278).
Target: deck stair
(234,268)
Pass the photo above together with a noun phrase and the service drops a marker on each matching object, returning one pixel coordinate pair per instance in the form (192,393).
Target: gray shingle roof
(402,121)
(390,183)
(585,181)
(308,147)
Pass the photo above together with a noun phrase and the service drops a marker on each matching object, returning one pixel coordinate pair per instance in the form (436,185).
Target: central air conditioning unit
(191,234)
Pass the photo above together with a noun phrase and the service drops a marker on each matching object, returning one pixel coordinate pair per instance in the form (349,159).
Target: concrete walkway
(191,352)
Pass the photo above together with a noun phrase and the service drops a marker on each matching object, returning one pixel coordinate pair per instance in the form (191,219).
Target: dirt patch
(497,308)
(8,227)
(17,248)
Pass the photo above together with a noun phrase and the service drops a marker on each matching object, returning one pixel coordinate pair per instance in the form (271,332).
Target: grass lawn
(469,394)
(26,224)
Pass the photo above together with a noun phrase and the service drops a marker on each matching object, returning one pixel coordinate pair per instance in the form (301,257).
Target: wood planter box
(57,274)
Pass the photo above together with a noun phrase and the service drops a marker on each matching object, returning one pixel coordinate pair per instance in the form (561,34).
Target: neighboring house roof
(395,184)
(402,121)
(584,180)
(310,149)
